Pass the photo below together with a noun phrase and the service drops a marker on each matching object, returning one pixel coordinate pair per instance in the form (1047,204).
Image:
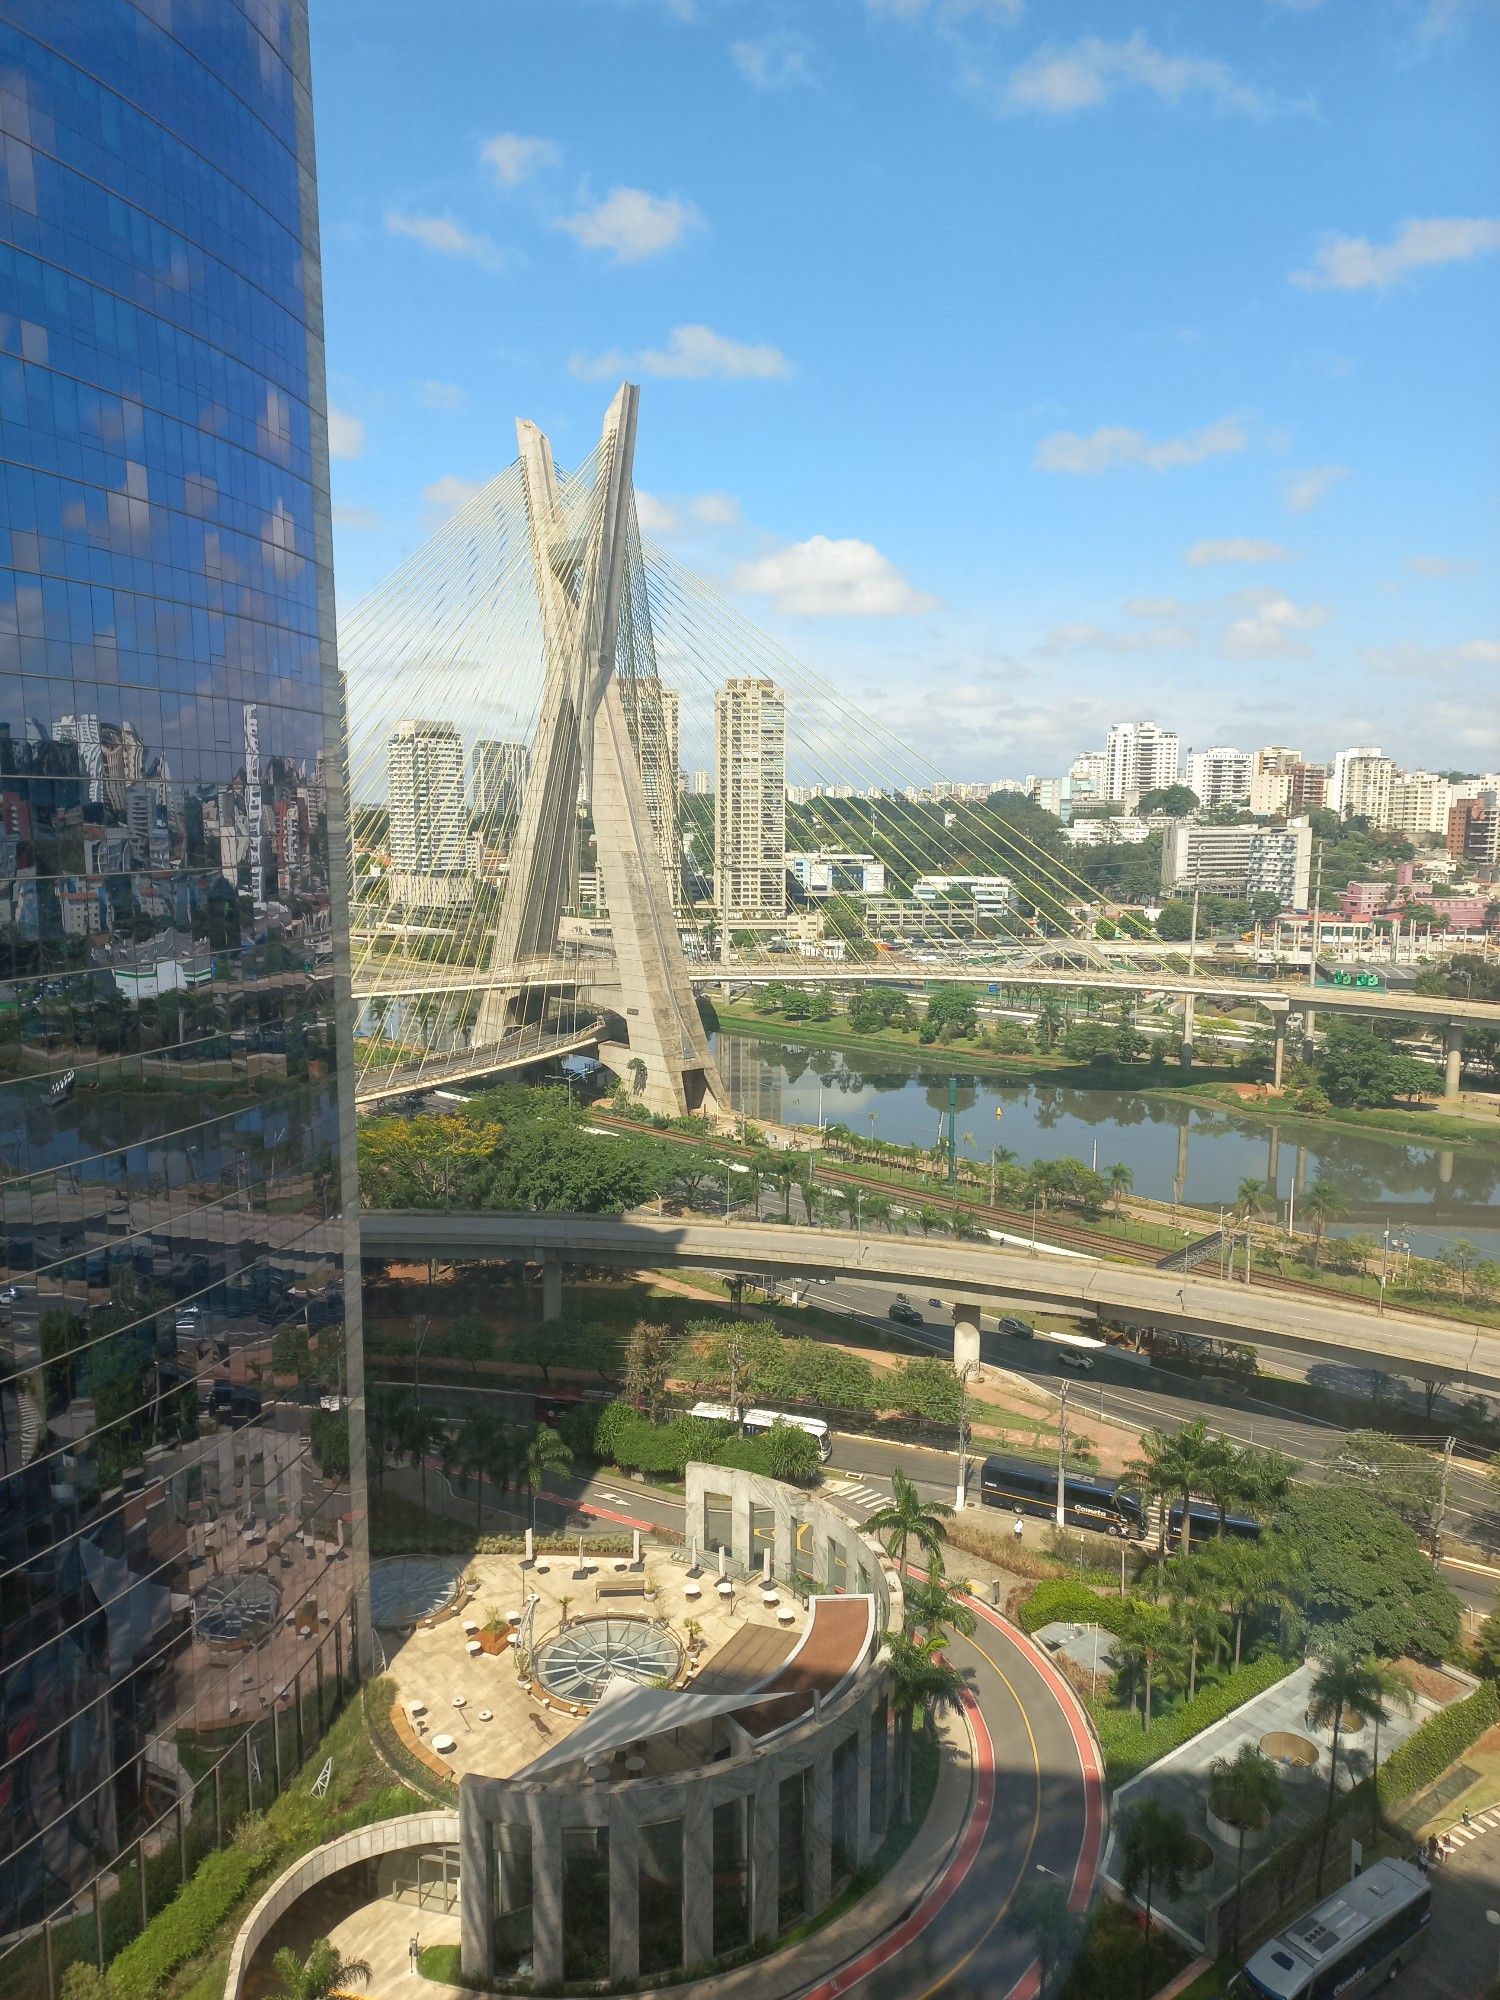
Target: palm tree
(1245,1791)
(1396,1691)
(931,1607)
(1343,1686)
(909,1518)
(1150,1647)
(1039,1911)
(1250,1197)
(484,1450)
(1196,1618)
(1119,1180)
(1178,1462)
(1321,1205)
(418,1435)
(324,1972)
(1051,1019)
(923,1683)
(1156,1848)
(543,1452)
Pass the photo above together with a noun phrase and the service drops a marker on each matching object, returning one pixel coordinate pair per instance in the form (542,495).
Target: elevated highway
(975,1274)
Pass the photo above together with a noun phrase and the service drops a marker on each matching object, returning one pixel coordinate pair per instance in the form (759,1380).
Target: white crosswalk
(856,1496)
(1459,1835)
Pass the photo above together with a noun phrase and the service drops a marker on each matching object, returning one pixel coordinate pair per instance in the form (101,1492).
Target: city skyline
(1196,432)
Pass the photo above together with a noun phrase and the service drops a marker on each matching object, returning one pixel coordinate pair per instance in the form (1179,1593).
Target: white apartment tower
(1360,787)
(1271,771)
(1420,804)
(750,800)
(429,831)
(1219,777)
(1139,757)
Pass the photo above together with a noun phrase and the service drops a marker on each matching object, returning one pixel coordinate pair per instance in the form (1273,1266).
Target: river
(1176,1151)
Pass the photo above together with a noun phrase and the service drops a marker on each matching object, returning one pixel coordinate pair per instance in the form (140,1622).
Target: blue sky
(1022,364)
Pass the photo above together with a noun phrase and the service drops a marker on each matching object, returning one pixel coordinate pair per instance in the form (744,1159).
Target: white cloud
(446,235)
(444,497)
(1272,626)
(692,354)
(1414,662)
(442,396)
(656,517)
(1437,566)
(346,434)
(823,578)
(1151,607)
(701,510)
(1301,491)
(773,62)
(1354,264)
(364,519)
(1090,71)
(516,158)
(632,225)
(715,510)
(1115,444)
(1237,549)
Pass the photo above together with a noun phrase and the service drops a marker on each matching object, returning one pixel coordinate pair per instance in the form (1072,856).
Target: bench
(633,1586)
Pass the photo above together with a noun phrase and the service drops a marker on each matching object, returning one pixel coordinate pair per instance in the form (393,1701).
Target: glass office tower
(179,1543)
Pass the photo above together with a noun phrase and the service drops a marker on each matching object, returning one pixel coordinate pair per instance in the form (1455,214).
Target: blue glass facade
(176,1525)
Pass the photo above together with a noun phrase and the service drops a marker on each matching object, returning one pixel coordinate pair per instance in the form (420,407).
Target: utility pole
(1062,1457)
(1317,902)
(1442,1506)
(965,1376)
(953,1132)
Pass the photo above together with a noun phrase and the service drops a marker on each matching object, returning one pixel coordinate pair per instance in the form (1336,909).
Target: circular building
(678,1822)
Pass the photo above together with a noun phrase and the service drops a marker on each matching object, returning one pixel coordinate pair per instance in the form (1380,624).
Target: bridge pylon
(594,621)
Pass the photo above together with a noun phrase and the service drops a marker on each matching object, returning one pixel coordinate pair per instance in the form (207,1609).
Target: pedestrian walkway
(856,1496)
(1462,1832)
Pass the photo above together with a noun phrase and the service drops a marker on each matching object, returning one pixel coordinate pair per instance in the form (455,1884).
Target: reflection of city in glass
(171,1545)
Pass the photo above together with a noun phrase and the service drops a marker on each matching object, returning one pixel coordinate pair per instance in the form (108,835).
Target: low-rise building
(1238,860)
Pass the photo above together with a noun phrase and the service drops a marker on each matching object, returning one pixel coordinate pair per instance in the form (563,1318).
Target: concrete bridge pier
(1453,1061)
(965,1336)
(1309,1029)
(1189,1015)
(551,1289)
(1273,1160)
(1279,1064)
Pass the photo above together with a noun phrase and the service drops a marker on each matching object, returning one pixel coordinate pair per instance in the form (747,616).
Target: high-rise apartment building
(1361,784)
(1219,777)
(182,1091)
(1088,776)
(1420,804)
(1139,757)
(429,836)
(1239,860)
(1474,831)
(497,781)
(1272,773)
(750,800)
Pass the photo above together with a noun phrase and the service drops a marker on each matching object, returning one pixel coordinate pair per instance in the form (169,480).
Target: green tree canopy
(1367,1585)
(1356,1066)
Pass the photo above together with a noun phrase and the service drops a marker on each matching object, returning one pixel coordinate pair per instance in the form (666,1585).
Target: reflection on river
(1176,1151)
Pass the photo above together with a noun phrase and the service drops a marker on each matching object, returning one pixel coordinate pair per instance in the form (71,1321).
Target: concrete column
(817,1836)
(1279,1066)
(1445,1166)
(965,1335)
(740,1546)
(624,1893)
(1309,1029)
(1179,1184)
(546,1891)
(781,1558)
(765,1855)
(1189,1015)
(698,1876)
(1273,1159)
(475,1874)
(551,1288)
(866,1837)
(1453,1061)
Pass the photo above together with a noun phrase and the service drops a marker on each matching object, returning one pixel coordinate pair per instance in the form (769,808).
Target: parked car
(1018,1329)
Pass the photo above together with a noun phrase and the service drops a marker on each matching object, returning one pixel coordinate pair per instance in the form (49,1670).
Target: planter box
(1226,1830)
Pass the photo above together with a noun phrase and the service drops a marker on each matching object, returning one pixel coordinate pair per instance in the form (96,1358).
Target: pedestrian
(1018,1531)
(414,1953)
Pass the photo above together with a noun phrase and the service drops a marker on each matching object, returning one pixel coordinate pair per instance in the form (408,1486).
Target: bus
(1352,1943)
(1205,1519)
(1087,1502)
(755,1423)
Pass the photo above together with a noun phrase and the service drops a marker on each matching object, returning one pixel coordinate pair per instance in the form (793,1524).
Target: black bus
(1088,1502)
(1205,1518)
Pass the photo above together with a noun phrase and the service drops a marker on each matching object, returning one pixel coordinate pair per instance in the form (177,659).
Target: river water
(1176,1151)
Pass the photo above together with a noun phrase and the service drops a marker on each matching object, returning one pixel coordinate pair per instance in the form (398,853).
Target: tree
(1176,801)
(1119,1180)
(1039,1911)
(1343,1687)
(1368,1586)
(1403,1477)
(950,1012)
(648,1363)
(1175,924)
(1244,1791)
(1196,1618)
(922,1684)
(484,1450)
(543,1452)
(419,1433)
(932,1609)
(909,1518)
(1250,1197)
(1179,1462)
(324,1972)
(926,1387)
(1156,1850)
(1459,1259)
(1323,1203)
(1051,1019)
(1150,1648)
(1357,1066)
(1396,1691)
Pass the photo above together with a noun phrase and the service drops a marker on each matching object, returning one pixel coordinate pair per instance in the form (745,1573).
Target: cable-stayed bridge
(585,787)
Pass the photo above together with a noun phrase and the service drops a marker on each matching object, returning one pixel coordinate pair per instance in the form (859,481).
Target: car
(1069,1357)
(1018,1329)
(905,1313)
(934,1302)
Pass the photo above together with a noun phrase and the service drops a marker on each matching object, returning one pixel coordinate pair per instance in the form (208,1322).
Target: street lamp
(859,1215)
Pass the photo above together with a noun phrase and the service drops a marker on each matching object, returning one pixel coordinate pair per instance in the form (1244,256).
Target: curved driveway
(1191,1302)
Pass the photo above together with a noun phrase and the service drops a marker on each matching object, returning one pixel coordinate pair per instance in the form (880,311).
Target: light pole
(1062,1457)
(859,1215)
(965,1374)
(1385,1249)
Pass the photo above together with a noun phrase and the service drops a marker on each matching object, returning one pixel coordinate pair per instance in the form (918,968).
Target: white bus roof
(759,1416)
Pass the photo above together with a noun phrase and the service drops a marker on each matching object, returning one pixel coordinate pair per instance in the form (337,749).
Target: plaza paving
(475,1701)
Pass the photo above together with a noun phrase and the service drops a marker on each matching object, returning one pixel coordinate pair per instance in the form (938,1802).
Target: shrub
(1063,1600)
(85,1982)
(1128,1748)
(1443,1738)
(184,1927)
